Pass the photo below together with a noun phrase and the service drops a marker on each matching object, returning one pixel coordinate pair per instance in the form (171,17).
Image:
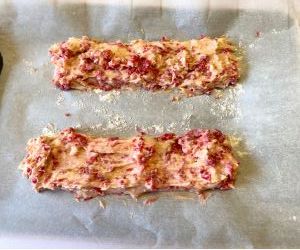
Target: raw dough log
(195,161)
(194,66)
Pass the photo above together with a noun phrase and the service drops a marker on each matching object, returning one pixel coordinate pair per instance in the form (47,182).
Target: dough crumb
(150,201)
(181,197)
(176,98)
(241,154)
(258,34)
(217,94)
(203,197)
(235,143)
(102,204)
(234,140)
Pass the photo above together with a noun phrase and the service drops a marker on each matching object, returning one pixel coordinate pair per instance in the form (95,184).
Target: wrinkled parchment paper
(262,113)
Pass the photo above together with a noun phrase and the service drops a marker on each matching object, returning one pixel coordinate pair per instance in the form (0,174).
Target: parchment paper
(263,112)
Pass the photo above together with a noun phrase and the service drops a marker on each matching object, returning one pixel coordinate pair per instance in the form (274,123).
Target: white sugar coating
(110,97)
(274,31)
(49,129)
(152,129)
(117,122)
(96,126)
(78,104)
(172,126)
(29,67)
(99,111)
(60,99)
(226,106)
(223,106)
(158,128)
(78,126)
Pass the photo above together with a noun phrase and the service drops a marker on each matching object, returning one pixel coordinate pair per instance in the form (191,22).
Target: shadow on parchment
(248,170)
(162,23)
(10,57)
(8,47)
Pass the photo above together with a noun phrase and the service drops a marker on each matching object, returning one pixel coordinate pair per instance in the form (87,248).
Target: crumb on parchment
(102,204)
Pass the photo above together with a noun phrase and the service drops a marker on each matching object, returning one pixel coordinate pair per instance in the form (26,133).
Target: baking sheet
(263,112)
